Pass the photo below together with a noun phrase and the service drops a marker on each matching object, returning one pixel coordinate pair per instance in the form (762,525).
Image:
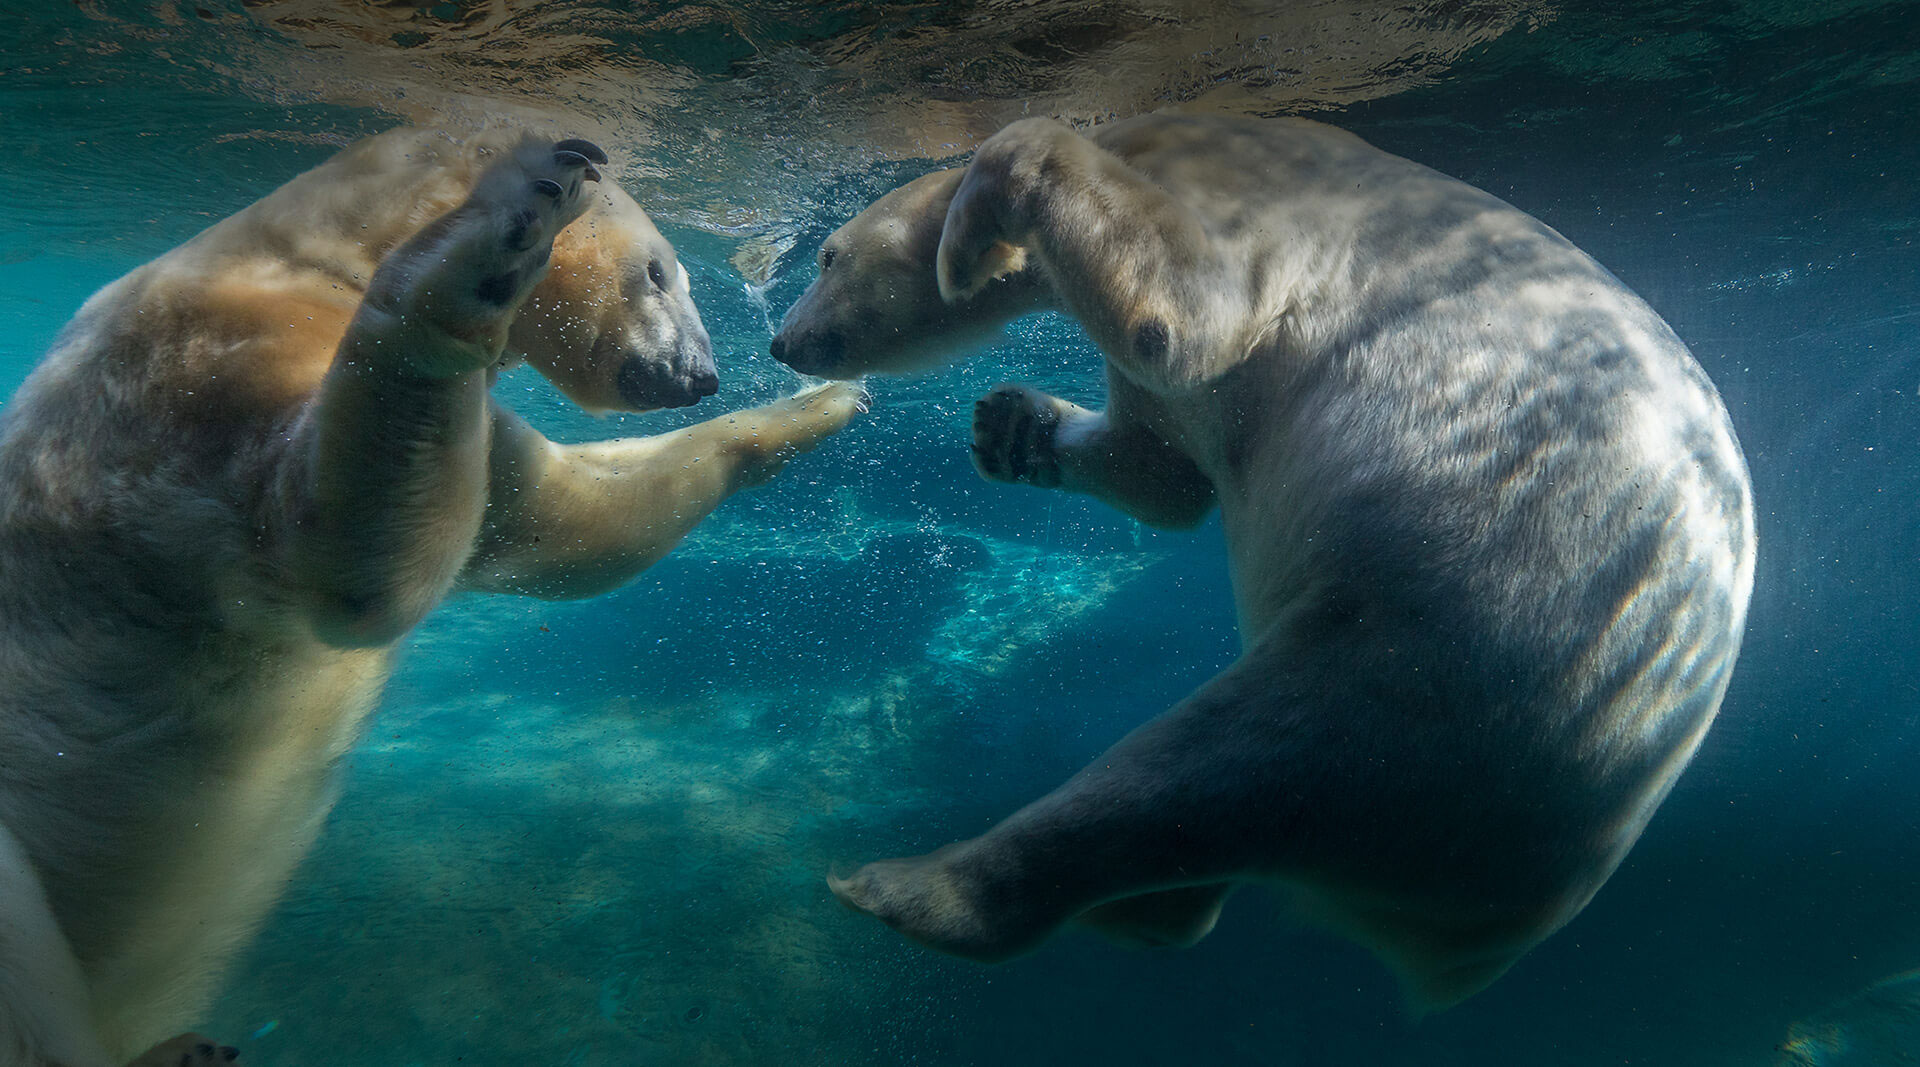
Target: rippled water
(594,833)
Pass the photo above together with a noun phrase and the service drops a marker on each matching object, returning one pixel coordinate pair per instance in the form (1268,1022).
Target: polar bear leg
(1135,266)
(44,1013)
(1280,769)
(1189,799)
(1026,437)
(387,502)
(577,520)
(1170,918)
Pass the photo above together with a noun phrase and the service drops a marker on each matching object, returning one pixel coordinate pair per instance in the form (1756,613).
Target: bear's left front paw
(1013,436)
(764,438)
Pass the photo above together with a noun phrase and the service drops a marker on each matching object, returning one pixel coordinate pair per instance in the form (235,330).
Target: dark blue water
(595,833)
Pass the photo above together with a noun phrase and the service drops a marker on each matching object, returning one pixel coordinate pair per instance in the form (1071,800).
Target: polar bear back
(1455,435)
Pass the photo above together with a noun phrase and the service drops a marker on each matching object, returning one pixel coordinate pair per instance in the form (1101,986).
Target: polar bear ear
(1003,259)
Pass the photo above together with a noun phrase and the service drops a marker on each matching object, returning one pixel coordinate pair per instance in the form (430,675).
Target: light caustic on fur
(244,472)
(1491,535)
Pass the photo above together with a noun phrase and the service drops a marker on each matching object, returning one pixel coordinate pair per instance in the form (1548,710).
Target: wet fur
(241,475)
(1490,532)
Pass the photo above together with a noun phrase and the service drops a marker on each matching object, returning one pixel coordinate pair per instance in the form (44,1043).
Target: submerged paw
(549,190)
(1013,432)
(527,199)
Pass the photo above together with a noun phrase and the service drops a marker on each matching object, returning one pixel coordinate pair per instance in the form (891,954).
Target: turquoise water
(596,833)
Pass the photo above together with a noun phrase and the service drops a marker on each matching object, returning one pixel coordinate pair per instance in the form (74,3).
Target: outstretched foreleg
(567,521)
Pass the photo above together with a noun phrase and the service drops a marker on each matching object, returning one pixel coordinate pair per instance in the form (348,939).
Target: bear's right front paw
(1013,437)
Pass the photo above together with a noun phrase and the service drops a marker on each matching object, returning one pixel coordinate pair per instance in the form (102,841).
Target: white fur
(240,477)
(1491,536)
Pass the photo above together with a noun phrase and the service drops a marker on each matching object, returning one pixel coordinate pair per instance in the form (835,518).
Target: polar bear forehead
(906,217)
(891,233)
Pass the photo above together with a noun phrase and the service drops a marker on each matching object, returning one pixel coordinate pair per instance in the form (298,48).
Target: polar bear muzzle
(814,352)
(646,384)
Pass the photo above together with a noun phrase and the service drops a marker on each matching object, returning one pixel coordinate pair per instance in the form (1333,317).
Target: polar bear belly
(224,850)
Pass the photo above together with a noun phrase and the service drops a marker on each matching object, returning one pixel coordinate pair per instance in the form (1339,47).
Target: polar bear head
(612,324)
(876,307)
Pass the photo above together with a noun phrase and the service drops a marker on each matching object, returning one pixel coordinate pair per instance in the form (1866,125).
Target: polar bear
(1490,533)
(241,475)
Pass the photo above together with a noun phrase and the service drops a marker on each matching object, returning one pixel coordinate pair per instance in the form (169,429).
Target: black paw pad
(498,290)
(519,234)
(1017,465)
(1150,339)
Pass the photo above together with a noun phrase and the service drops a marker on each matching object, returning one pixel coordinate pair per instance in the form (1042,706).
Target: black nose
(703,383)
(811,353)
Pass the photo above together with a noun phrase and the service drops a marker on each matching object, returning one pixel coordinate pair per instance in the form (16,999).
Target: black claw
(585,148)
(548,186)
(204,1048)
(229,1053)
(566,157)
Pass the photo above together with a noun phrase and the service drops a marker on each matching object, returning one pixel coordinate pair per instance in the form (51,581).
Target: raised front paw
(1014,429)
(468,272)
(187,1050)
(764,438)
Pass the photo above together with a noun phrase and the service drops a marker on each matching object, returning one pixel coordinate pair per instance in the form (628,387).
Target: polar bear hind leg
(1170,918)
(43,1000)
(1168,812)
(1277,771)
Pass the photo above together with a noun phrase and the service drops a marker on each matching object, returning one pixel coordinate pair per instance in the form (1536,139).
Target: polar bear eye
(657,276)
(826,258)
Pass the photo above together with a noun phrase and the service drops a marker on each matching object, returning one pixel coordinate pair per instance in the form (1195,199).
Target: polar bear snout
(644,383)
(810,353)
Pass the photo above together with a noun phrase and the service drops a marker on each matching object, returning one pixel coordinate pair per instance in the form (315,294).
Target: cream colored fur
(1491,535)
(240,477)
